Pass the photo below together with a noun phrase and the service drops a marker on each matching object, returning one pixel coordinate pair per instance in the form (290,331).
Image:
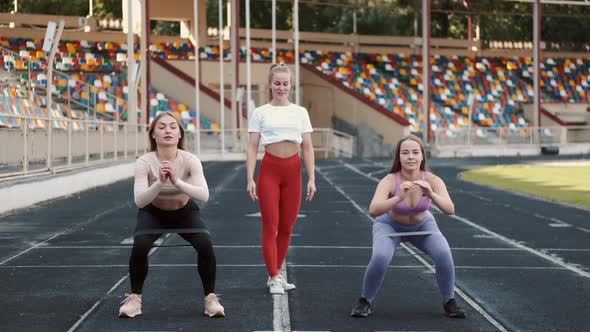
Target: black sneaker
(452,310)
(362,308)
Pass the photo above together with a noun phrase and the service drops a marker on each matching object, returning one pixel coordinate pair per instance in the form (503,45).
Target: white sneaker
(276,286)
(286,286)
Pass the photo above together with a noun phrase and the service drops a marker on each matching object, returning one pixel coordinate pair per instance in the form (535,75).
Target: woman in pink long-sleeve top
(167,179)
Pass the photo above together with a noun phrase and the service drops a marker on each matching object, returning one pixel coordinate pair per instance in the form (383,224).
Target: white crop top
(280,123)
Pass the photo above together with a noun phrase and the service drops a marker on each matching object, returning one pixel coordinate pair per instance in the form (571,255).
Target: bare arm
(440,196)
(251,153)
(309,162)
(196,187)
(142,194)
(381,201)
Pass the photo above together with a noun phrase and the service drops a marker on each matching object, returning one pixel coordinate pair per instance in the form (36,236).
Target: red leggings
(279,195)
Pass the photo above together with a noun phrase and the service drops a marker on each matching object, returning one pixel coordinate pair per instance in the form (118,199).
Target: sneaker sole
(455,315)
(131,315)
(360,315)
(220,313)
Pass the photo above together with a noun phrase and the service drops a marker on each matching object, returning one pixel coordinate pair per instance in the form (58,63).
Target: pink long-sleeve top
(190,180)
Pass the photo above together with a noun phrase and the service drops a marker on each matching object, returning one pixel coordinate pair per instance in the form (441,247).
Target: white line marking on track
(299,247)
(335,266)
(102,266)
(281,320)
(564,249)
(470,193)
(66,231)
(555,222)
(379,171)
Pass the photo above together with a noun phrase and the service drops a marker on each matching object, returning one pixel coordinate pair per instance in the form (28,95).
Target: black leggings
(142,244)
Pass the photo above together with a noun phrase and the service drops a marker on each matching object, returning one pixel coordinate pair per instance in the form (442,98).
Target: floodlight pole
(49,90)
(197,78)
(536,61)
(426,69)
(296,50)
(221,78)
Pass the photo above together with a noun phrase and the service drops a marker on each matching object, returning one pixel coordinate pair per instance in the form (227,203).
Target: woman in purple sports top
(400,205)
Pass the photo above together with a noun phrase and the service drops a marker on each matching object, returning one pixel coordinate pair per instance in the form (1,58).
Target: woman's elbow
(139,204)
(372,212)
(450,210)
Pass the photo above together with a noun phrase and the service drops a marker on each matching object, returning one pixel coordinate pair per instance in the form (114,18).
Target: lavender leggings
(434,245)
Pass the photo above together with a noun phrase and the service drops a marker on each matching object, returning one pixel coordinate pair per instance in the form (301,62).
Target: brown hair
(280,67)
(181,142)
(397,165)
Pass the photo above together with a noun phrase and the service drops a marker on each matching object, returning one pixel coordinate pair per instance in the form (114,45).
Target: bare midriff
(170,204)
(407,220)
(283,149)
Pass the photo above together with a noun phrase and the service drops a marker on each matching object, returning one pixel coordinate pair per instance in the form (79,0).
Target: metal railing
(327,142)
(511,136)
(48,148)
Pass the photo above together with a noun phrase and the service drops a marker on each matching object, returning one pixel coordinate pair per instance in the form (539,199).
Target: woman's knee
(201,242)
(285,229)
(443,257)
(269,231)
(380,259)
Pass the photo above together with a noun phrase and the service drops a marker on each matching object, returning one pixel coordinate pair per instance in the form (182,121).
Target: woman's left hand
(310,190)
(169,168)
(425,186)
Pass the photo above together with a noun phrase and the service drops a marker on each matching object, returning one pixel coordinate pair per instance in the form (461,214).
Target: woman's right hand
(251,189)
(404,189)
(163,173)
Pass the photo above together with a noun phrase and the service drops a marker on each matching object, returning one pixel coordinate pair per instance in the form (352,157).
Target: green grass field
(569,184)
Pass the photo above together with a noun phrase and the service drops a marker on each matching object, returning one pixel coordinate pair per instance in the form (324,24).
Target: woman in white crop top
(165,181)
(282,128)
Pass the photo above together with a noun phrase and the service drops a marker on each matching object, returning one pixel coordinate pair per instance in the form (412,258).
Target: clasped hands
(167,172)
(407,186)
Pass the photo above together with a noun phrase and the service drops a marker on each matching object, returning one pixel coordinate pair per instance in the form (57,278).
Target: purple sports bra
(402,207)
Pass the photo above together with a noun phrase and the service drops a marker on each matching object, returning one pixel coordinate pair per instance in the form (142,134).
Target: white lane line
(485,199)
(66,231)
(410,331)
(102,266)
(335,266)
(556,222)
(212,195)
(513,243)
(564,249)
(378,171)
(465,297)
(95,305)
(583,229)
(516,244)
(281,320)
(516,268)
(300,247)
